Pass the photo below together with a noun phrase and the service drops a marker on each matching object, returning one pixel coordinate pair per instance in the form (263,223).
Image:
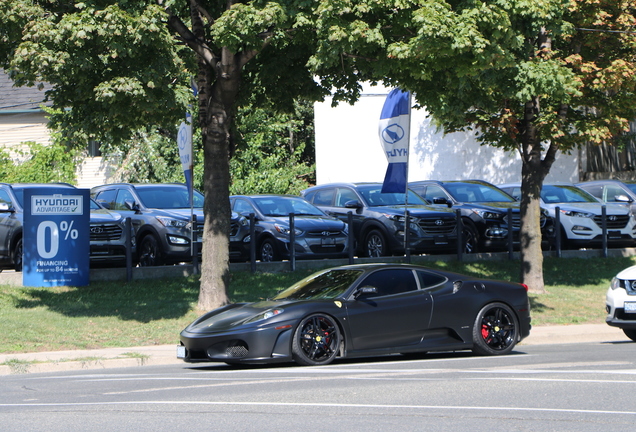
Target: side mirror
(5,208)
(442,200)
(365,290)
(131,205)
(353,204)
(622,198)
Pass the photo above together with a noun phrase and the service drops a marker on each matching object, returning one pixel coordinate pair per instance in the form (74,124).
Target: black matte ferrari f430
(364,310)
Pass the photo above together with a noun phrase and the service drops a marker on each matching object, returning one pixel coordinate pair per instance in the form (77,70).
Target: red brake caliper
(484,331)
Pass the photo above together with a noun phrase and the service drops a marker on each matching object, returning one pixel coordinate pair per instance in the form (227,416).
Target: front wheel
(375,244)
(495,331)
(630,333)
(150,252)
(17,256)
(316,341)
(269,253)
(471,241)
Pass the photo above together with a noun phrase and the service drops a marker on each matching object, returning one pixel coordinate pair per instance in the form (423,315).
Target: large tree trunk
(535,167)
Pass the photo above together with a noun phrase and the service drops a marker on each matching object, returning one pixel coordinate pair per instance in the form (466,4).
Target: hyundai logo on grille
(97,230)
(439,222)
(326,233)
(612,218)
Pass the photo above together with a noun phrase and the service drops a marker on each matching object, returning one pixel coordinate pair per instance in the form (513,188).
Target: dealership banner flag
(394,130)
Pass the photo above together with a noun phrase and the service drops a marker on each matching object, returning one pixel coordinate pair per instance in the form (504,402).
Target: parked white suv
(620,302)
(581,216)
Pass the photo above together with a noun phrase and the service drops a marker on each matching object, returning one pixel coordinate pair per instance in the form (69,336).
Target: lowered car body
(364,310)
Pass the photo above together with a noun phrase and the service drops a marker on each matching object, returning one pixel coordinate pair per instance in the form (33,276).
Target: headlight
(286,231)
(173,223)
(572,213)
(616,283)
(243,221)
(265,315)
(488,214)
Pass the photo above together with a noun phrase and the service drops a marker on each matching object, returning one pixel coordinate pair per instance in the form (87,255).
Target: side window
(428,280)
(122,196)
(389,282)
(596,191)
(324,197)
(243,207)
(344,195)
(107,198)
(611,192)
(434,192)
(4,198)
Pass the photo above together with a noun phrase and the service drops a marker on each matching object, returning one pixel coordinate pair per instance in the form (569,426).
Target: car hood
(234,315)
(414,210)
(104,216)
(595,208)
(179,213)
(627,274)
(311,223)
(491,206)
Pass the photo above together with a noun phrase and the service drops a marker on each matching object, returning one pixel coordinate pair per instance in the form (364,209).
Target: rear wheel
(316,340)
(630,333)
(375,244)
(495,331)
(150,252)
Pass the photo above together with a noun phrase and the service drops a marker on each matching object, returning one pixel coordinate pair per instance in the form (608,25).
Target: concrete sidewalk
(166,354)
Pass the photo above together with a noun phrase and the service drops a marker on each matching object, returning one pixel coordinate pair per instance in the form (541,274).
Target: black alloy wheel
(375,244)
(495,330)
(268,251)
(316,340)
(471,241)
(149,252)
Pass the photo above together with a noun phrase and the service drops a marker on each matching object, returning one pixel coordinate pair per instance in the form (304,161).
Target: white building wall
(348,149)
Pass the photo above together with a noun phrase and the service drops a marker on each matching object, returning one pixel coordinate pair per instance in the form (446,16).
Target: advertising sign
(56,237)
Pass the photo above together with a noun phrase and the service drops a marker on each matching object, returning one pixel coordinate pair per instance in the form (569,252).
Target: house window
(94,148)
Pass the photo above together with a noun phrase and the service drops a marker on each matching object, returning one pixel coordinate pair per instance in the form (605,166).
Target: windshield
(283,206)
(168,197)
(565,194)
(327,285)
(375,198)
(477,192)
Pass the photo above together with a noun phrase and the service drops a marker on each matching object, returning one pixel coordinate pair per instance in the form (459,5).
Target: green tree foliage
(39,164)
(536,76)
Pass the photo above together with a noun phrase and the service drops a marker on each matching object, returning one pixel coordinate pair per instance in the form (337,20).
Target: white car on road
(620,302)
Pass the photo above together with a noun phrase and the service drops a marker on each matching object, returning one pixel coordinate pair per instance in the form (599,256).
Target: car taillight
(525,286)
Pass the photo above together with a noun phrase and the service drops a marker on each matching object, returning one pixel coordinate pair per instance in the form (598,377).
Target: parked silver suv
(160,215)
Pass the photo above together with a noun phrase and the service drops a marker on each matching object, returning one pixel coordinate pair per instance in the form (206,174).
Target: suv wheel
(374,244)
(469,236)
(268,252)
(149,252)
(17,256)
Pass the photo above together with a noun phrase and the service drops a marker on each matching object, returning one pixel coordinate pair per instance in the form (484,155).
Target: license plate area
(630,307)
(181,352)
(327,241)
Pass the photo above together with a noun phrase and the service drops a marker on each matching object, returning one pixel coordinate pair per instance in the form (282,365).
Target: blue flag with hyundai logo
(394,130)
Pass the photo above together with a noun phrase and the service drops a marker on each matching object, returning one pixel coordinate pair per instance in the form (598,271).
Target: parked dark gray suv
(107,239)
(161,218)
(379,218)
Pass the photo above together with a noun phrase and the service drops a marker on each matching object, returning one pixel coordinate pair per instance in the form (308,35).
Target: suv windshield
(168,197)
(473,192)
(374,196)
(283,206)
(327,285)
(565,194)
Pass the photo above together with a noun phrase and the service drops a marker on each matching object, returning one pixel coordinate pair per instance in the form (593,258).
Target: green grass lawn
(117,314)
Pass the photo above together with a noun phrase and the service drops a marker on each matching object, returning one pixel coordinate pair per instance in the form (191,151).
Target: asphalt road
(565,387)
